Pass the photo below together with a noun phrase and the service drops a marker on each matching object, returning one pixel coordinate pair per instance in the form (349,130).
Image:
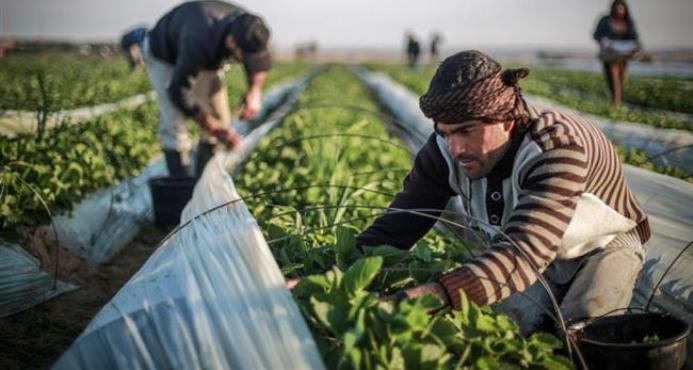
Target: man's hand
(292,283)
(432,288)
(252,103)
(208,122)
(228,137)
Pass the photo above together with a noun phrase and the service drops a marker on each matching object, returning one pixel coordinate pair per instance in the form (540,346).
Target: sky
(372,24)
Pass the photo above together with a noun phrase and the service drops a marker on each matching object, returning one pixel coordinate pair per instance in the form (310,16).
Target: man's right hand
(226,135)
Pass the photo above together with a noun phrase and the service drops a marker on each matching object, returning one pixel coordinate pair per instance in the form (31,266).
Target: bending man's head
(475,106)
(248,40)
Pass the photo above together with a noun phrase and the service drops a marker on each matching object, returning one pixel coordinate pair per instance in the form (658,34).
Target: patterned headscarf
(471,86)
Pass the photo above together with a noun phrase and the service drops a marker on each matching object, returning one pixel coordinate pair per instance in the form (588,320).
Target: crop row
(51,170)
(418,81)
(59,81)
(585,92)
(319,179)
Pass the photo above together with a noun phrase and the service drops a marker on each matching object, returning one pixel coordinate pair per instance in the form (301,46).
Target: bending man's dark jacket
(191,37)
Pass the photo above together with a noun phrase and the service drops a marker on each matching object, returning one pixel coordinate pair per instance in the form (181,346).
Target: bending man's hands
(252,103)
(228,137)
(225,134)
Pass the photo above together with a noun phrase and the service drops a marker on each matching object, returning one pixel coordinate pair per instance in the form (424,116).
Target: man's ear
(509,125)
(230,42)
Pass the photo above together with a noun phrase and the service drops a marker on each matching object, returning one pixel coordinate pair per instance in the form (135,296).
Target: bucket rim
(664,342)
(172,180)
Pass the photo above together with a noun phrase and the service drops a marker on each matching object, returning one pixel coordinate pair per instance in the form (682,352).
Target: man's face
(232,46)
(475,145)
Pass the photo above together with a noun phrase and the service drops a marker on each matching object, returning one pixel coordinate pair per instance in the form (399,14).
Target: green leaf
(360,274)
(346,239)
(321,310)
(288,269)
(486,324)
(545,341)
(431,352)
(487,363)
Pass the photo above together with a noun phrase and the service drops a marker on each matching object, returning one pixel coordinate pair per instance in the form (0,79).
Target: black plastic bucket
(169,196)
(633,341)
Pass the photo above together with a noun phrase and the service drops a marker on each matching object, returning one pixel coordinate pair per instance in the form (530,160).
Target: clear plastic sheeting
(108,220)
(22,283)
(668,205)
(14,122)
(211,297)
(666,200)
(666,147)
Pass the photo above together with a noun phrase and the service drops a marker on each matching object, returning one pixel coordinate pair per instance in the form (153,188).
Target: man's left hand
(252,103)
(432,288)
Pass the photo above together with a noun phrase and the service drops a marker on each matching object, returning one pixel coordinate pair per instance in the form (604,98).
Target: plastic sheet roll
(211,296)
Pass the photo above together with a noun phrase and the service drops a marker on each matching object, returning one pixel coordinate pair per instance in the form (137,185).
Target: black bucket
(633,341)
(169,196)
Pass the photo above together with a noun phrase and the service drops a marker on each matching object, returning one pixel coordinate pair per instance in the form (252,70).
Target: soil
(35,338)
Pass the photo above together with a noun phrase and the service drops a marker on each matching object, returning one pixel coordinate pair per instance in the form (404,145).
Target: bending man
(185,54)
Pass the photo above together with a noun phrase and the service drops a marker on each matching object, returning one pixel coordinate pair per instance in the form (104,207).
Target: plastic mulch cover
(14,122)
(211,296)
(22,283)
(666,147)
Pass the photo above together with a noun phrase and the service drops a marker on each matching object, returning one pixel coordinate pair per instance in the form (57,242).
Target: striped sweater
(558,193)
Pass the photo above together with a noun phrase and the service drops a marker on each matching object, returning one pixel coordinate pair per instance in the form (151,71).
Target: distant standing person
(436,39)
(618,42)
(131,45)
(413,50)
(185,54)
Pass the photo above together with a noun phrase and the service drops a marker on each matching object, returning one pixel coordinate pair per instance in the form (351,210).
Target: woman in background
(618,42)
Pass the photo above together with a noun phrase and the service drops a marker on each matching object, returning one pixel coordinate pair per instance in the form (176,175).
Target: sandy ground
(35,338)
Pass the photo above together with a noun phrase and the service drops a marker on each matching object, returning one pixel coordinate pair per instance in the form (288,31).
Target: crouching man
(550,182)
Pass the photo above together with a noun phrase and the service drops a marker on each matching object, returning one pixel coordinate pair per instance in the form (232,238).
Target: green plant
(313,184)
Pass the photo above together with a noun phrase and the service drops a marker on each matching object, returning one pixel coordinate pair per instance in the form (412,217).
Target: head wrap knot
(472,86)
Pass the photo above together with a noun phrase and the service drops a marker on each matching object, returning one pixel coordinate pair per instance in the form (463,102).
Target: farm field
(313,183)
(343,167)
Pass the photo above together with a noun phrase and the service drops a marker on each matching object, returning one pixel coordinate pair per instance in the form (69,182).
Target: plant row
(59,81)
(318,180)
(585,92)
(47,172)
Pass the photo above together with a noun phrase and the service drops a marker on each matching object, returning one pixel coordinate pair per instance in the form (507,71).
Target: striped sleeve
(546,204)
